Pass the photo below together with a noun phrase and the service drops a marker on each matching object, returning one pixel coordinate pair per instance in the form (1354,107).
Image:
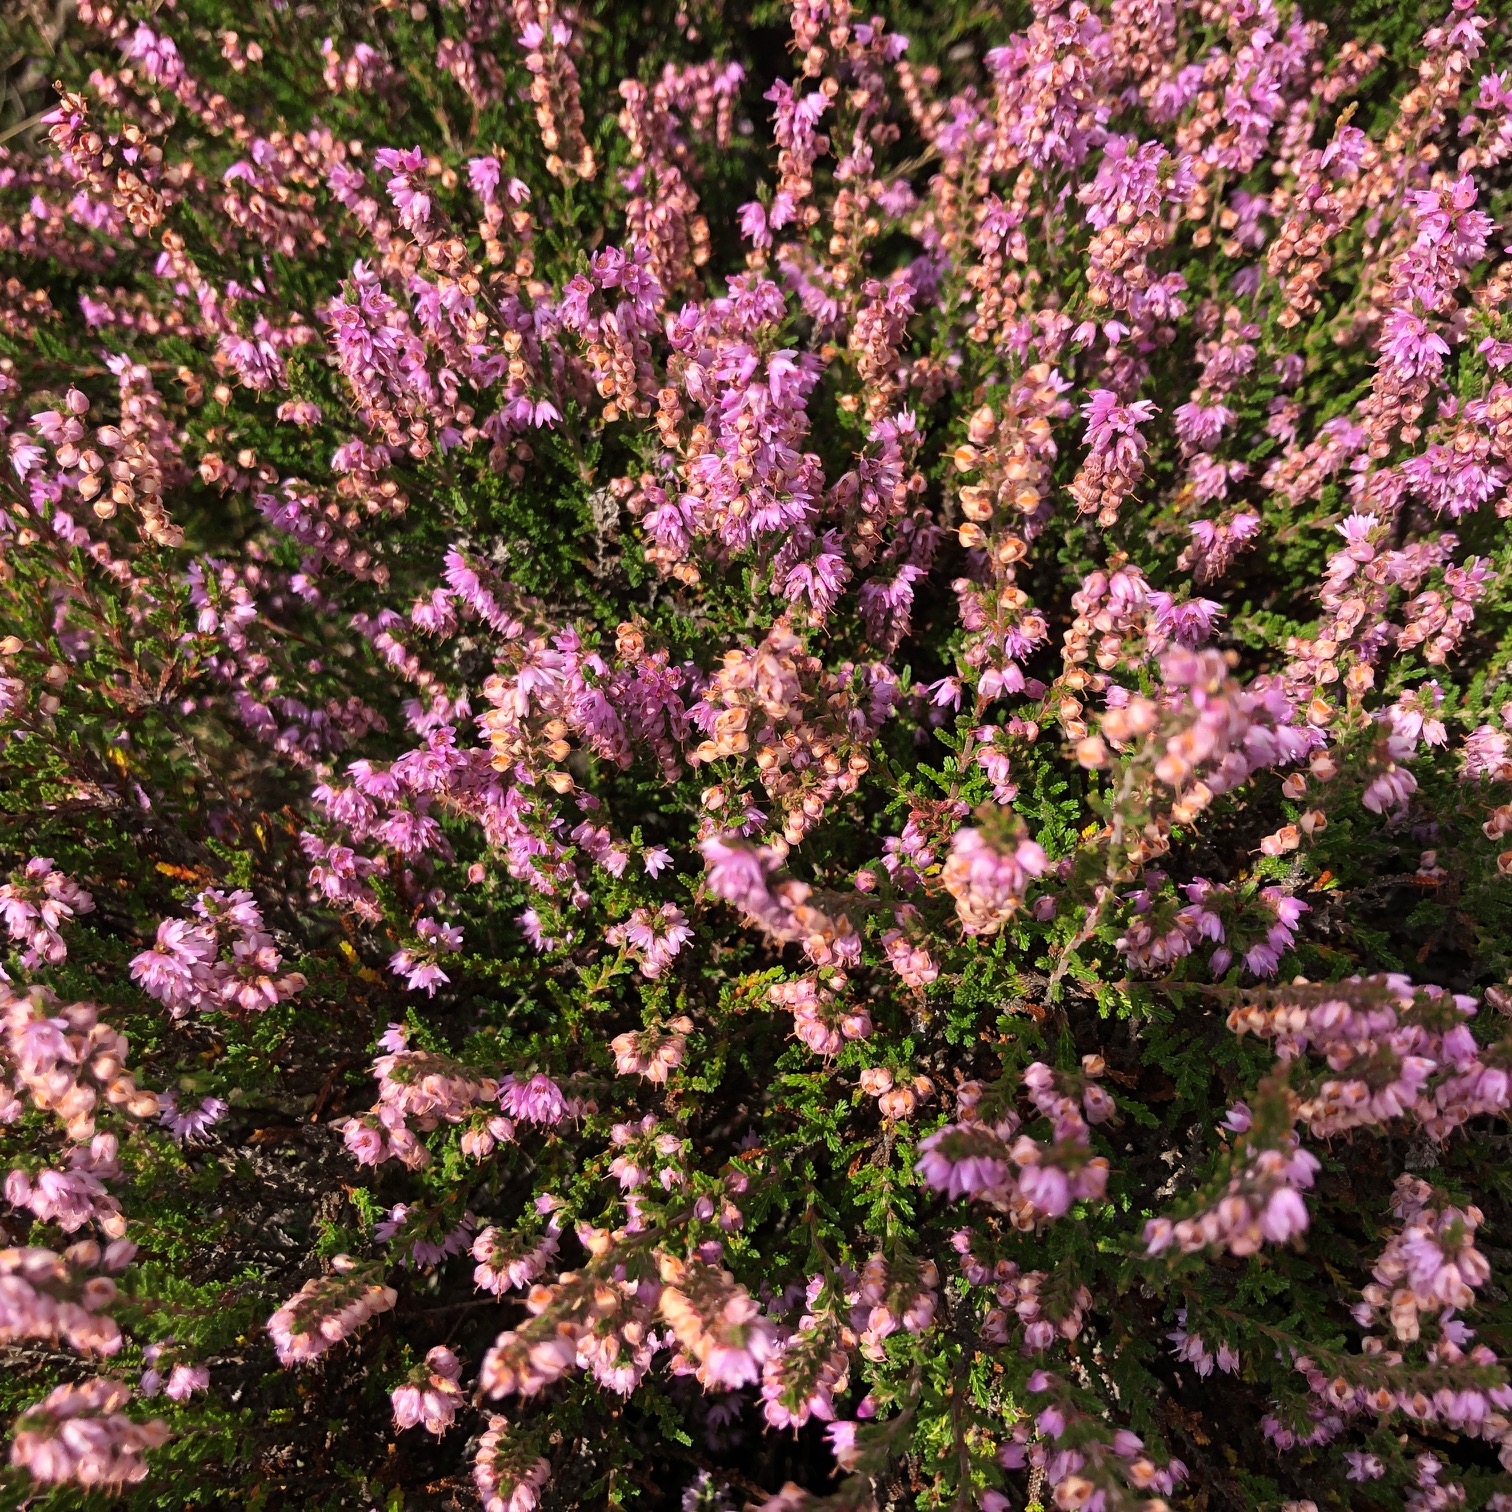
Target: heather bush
(756,757)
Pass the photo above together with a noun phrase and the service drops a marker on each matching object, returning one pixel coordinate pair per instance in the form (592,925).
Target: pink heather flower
(530,926)
(431,1396)
(1047,1189)
(458,335)
(418,966)
(186,1127)
(236,910)
(1116,449)
(1498,354)
(516,1365)
(820,580)
(508,1479)
(79,1433)
(753,225)
(421,1246)
(1363,1466)
(1389,790)
(946,692)
(716,1321)
(35,905)
(538,1100)
(650,1053)
(26,455)
(989,884)
(156,54)
(304,413)
(483,177)
(327,1310)
(737,874)
(31,1279)
(186,969)
(652,940)
(1455,482)
(1134,179)
(1193,1352)
(911,960)
(1411,347)
(842,1440)
(185,1380)
(1199,427)
(963,1161)
(506,1264)
(1188,622)
(413,205)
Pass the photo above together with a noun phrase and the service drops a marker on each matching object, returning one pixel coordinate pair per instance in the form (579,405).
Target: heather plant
(756,759)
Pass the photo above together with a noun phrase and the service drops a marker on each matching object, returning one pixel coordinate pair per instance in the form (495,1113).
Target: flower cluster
(431,1394)
(327,1310)
(774,726)
(35,906)
(187,969)
(79,1433)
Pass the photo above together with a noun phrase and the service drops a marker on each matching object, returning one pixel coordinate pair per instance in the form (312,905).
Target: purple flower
(186,1127)
(963,1161)
(1199,427)
(1188,623)
(1411,347)
(1285,1215)
(538,1100)
(483,177)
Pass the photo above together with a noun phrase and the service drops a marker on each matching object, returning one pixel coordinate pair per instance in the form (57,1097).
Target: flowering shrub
(756,758)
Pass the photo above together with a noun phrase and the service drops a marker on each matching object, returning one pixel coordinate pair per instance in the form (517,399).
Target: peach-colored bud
(976,502)
(1285,839)
(1092,752)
